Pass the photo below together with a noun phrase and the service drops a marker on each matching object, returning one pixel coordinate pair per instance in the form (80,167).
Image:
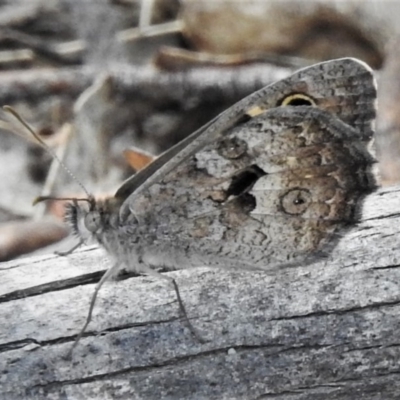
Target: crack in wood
(386,267)
(337,311)
(53,286)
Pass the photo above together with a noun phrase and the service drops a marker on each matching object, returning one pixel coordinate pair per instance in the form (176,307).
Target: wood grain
(329,330)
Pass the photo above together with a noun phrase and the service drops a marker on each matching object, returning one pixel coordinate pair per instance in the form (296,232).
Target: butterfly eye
(297,99)
(93,221)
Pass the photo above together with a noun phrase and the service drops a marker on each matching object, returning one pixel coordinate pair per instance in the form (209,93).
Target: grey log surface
(326,331)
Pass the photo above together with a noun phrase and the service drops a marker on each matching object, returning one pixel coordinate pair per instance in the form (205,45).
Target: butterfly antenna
(50,151)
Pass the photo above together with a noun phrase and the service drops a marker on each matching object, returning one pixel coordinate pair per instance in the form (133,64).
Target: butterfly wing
(344,87)
(270,191)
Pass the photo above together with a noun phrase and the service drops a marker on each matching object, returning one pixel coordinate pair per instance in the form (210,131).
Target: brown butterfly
(268,183)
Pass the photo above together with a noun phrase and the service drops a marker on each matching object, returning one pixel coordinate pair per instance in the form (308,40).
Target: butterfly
(269,183)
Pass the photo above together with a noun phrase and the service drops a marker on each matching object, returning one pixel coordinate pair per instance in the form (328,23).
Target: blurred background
(109,84)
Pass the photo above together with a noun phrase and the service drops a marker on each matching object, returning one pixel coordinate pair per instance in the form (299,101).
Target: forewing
(344,87)
(271,191)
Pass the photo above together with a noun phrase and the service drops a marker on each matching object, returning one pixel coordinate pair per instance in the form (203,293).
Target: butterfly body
(268,183)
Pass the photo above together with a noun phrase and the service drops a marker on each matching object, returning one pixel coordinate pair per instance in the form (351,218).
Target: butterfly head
(89,218)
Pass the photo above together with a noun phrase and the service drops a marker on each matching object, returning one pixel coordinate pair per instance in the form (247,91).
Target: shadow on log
(326,331)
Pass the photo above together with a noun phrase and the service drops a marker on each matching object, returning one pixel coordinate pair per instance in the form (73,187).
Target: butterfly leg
(155,274)
(71,250)
(110,272)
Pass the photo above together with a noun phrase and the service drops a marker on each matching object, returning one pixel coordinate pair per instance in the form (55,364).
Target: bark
(328,330)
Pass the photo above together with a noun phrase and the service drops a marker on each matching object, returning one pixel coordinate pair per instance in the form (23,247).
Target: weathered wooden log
(142,82)
(325,331)
(157,108)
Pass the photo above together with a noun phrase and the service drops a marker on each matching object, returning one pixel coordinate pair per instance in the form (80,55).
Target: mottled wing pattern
(271,180)
(344,87)
(271,191)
